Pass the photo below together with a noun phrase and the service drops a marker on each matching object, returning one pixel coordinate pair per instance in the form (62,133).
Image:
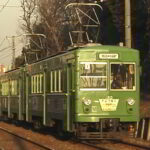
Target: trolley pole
(128,23)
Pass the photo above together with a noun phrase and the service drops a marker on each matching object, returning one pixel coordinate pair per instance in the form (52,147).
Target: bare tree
(52,16)
(52,21)
(30,16)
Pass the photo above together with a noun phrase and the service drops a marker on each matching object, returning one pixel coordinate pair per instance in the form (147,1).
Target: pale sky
(9,26)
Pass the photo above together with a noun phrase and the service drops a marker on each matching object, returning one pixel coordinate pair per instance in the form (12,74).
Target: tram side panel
(15,95)
(46,91)
(4,94)
(58,96)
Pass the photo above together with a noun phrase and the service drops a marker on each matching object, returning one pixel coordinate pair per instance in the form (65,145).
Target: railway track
(41,146)
(115,145)
(134,143)
(73,144)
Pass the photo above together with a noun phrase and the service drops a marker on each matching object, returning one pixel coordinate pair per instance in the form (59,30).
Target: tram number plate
(109,104)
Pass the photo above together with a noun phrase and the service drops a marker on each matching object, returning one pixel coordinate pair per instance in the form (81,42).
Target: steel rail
(100,147)
(26,139)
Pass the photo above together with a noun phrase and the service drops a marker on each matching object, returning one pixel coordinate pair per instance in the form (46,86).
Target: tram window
(37,83)
(0,89)
(34,81)
(123,76)
(63,80)
(5,88)
(51,82)
(13,87)
(32,85)
(40,83)
(59,80)
(55,81)
(93,75)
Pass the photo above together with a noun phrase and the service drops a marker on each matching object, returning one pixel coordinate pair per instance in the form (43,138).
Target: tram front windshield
(95,76)
(123,76)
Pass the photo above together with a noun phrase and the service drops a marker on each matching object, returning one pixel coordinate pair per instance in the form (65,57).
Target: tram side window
(37,83)
(13,87)
(41,80)
(32,84)
(63,80)
(123,76)
(55,81)
(59,80)
(51,81)
(5,88)
(0,88)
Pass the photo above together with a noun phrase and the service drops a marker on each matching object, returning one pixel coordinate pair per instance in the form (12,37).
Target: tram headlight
(87,102)
(131,101)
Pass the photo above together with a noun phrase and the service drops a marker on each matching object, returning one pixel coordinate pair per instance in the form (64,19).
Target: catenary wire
(5,56)
(11,6)
(1,50)
(4,6)
(2,42)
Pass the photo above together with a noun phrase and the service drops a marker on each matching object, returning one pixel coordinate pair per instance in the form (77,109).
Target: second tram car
(88,90)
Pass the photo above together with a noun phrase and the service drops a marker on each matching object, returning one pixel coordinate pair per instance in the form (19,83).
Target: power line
(4,6)
(5,48)
(5,56)
(10,6)
(2,42)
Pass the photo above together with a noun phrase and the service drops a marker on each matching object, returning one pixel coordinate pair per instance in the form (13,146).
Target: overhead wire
(5,61)
(8,47)
(2,42)
(13,6)
(5,56)
(4,6)
(5,48)
(17,51)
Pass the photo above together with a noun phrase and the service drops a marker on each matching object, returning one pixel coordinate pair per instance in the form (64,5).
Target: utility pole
(128,23)
(13,52)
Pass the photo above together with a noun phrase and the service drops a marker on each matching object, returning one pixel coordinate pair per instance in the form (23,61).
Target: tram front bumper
(97,118)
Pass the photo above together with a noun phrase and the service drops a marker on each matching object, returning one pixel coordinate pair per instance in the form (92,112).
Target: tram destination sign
(108,56)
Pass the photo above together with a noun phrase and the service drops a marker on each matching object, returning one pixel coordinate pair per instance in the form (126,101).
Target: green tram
(88,90)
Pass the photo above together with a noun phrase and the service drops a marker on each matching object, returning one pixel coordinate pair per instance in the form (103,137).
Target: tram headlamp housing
(87,102)
(131,101)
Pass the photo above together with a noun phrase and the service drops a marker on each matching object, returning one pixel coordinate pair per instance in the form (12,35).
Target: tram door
(69,97)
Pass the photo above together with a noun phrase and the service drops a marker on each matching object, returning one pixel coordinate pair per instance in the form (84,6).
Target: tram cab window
(93,75)
(123,76)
